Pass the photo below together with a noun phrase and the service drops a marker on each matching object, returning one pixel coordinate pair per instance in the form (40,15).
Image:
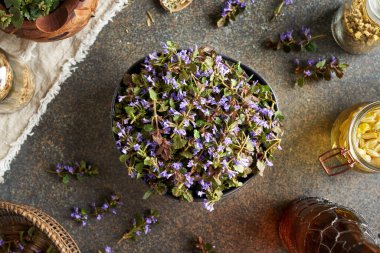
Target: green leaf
(188,196)
(321,64)
(130,111)
(152,94)
(311,47)
(301,81)
(148,161)
(31,231)
(148,128)
(278,115)
(196,134)
(123,158)
(178,142)
(147,194)
(187,154)
(217,180)
(171,103)
(66,179)
(177,191)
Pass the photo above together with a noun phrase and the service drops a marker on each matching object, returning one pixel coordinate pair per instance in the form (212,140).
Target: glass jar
(356,26)
(22,88)
(312,225)
(355,140)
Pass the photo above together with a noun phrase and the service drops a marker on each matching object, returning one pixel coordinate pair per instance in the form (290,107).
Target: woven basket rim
(43,222)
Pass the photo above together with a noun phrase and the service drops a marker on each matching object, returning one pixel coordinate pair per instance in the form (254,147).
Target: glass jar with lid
(356,26)
(355,140)
(18,88)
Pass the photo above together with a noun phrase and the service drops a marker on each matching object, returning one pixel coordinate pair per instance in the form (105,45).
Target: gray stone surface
(77,126)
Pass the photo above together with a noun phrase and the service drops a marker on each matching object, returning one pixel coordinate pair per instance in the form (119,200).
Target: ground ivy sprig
(77,170)
(192,124)
(316,70)
(141,225)
(278,10)
(288,42)
(231,9)
(109,205)
(203,247)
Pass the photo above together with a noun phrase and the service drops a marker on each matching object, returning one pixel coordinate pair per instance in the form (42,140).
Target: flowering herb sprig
(23,243)
(231,9)
(288,42)
(318,69)
(191,124)
(278,10)
(203,247)
(141,225)
(77,170)
(109,205)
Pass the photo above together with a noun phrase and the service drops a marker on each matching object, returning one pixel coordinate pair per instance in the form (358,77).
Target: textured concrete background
(77,126)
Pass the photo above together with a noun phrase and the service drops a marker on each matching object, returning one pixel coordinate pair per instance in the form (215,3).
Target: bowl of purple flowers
(194,124)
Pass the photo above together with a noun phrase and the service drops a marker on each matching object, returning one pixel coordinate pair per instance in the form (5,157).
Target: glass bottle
(356,26)
(22,89)
(353,152)
(313,225)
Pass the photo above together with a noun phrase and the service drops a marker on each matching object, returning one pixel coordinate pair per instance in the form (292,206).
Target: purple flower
(108,249)
(136,147)
(208,205)
(310,62)
(207,137)
(189,180)
(165,48)
(307,72)
(1,242)
(165,174)
(190,164)
(183,105)
(268,163)
(227,141)
(105,206)
(306,32)
(147,229)
(177,165)
(267,112)
(179,131)
(333,60)
(231,173)
(288,2)
(99,216)
(138,232)
(286,36)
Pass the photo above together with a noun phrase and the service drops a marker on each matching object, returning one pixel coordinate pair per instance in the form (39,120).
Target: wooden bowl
(179,8)
(68,19)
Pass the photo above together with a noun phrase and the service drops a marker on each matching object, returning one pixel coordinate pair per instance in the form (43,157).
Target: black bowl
(136,67)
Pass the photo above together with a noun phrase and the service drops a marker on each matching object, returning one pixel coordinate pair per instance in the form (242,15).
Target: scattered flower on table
(77,170)
(107,249)
(110,204)
(278,10)
(203,247)
(141,225)
(231,9)
(202,126)
(288,41)
(315,70)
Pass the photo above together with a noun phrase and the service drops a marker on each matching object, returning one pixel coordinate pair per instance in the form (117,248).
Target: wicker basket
(15,218)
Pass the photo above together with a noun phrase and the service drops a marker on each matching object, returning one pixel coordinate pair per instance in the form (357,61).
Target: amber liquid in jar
(313,225)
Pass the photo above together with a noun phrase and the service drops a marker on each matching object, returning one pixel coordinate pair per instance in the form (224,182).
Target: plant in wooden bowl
(195,124)
(45,20)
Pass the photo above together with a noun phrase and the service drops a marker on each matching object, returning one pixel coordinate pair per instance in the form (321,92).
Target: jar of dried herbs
(356,26)
(17,85)
(355,139)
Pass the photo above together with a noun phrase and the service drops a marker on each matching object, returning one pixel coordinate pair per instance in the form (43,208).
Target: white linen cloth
(52,63)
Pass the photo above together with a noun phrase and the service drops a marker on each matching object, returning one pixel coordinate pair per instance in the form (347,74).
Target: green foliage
(19,10)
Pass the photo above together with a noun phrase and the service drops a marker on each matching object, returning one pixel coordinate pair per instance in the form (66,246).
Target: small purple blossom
(108,249)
